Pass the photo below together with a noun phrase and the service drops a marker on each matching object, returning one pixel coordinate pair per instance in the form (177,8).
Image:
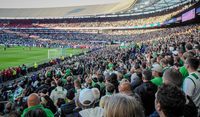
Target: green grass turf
(16,56)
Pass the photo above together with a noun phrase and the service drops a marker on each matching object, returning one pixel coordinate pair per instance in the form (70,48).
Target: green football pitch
(16,56)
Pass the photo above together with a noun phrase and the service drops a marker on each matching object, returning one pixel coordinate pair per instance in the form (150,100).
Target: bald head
(33,100)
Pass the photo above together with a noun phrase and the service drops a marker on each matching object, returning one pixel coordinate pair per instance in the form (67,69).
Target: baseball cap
(86,95)
(157,67)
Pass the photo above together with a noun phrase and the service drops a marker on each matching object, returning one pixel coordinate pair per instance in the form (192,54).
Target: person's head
(158,59)
(164,62)
(180,53)
(38,112)
(70,94)
(170,101)
(120,105)
(77,84)
(188,47)
(33,100)
(173,76)
(43,91)
(192,64)
(170,60)
(69,79)
(88,81)
(112,78)
(48,81)
(59,83)
(110,88)
(197,48)
(187,55)
(125,88)
(104,100)
(157,70)
(53,83)
(146,75)
(101,78)
(96,93)
(86,98)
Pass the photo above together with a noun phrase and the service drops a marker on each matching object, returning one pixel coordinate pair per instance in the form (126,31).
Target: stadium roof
(40,9)
(143,6)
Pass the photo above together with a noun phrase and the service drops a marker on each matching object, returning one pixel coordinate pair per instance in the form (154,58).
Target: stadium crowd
(49,38)
(98,22)
(113,23)
(160,66)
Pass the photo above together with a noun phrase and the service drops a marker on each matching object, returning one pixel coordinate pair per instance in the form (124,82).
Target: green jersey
(39,106)
(184,71)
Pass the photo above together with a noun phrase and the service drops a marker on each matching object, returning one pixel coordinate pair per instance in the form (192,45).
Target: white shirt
(58,92)
(193,90)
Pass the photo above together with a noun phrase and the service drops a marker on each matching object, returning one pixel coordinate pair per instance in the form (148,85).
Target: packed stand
(156,77)
(113,23)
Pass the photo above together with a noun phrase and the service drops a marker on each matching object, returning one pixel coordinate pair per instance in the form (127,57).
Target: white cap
(157,68)
(86,95)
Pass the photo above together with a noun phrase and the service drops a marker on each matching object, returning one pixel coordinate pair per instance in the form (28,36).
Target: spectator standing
(147,91)
(170,101)
(191,84)
(157,74)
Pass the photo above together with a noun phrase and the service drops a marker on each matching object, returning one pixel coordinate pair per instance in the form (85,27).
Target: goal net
(56,53)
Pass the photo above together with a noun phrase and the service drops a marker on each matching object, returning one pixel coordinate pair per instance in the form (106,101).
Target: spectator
(36,113)
(164,64)
(170,101)
(135,77)
(110,89)
(191,85)
(87,102)
(47,102)
(183,69)
(68,109)
(58,92)
(34,103)
(174,77)
(53,86)
(157,74)
(77,85)
(113,79)
(96,94)
(120,105)
(125,88)
(104,100)
(69,83)
(147,92)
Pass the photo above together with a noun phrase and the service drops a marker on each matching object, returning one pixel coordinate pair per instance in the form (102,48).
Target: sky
(51,3)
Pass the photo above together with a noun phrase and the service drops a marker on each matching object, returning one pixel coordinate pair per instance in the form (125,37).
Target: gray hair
(121,105)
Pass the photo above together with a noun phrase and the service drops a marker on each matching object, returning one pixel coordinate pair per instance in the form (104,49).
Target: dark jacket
(147,91)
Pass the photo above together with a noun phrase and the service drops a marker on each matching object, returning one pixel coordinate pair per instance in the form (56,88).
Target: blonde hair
(121,105)
(104,100)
